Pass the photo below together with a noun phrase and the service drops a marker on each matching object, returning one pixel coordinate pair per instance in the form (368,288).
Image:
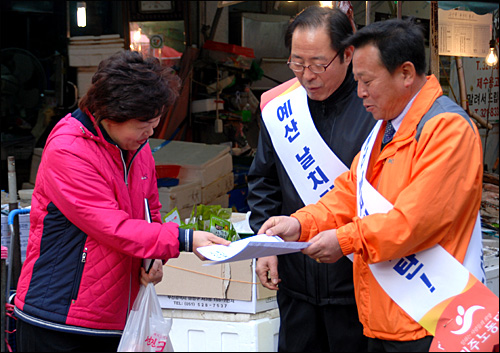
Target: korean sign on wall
(464,33)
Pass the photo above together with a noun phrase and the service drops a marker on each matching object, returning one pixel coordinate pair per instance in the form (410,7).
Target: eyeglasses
(315,68)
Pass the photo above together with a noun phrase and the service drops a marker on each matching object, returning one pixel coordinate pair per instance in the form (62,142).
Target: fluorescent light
(81,16)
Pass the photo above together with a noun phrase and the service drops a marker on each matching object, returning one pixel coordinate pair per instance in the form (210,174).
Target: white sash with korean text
(308,161)
(418,282)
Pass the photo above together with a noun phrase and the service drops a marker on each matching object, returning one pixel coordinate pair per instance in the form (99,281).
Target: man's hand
(287,228)
(201,238)
(324,247)
(267,271)
(155,274)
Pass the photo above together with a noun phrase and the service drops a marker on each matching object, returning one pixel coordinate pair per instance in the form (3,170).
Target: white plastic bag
(146,329)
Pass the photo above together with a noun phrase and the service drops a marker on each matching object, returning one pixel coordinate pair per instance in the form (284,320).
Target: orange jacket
(435,186)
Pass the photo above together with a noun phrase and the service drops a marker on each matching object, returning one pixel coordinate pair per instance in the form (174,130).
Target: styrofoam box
(84,79)
(210,172)
(90,56)
(205,105)
(91,50)
(203,162)
(194,331)
(222,200)
(181,196)
(218,188)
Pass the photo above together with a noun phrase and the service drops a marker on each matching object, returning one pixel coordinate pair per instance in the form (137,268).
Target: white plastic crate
(199,162)
(218,188)
(24,230)
(181,196)
(198,331)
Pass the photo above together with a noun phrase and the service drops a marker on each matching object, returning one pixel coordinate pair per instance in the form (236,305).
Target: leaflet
(256,246)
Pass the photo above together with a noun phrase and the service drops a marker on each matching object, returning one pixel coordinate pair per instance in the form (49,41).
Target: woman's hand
(155,274)
(201,238)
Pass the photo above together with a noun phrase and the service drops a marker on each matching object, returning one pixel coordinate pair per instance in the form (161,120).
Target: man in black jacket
(316,301)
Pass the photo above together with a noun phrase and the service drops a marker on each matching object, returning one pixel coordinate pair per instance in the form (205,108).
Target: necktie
(388,134)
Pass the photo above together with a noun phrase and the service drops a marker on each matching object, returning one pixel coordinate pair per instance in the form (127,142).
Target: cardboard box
(230,287)
(199,162)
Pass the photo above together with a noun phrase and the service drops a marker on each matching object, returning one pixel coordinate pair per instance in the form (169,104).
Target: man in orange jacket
(430,173)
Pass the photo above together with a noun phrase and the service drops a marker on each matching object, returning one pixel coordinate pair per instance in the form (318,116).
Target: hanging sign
(464,33)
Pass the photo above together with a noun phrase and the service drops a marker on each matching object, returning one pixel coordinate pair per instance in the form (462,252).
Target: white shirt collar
(396,122)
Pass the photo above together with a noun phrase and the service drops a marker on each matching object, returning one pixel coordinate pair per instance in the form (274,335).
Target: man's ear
(348,52)
(409,73)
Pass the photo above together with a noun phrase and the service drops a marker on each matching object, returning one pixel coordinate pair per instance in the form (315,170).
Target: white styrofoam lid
(186,153)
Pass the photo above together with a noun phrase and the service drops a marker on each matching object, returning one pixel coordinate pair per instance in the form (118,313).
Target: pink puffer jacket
(88,235)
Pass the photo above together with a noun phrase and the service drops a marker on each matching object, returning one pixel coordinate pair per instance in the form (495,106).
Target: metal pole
(11,168)
(368,13)
(3,269)
(434,40)
(14,266)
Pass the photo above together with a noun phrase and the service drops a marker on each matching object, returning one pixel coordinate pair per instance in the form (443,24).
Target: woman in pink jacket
(88,232)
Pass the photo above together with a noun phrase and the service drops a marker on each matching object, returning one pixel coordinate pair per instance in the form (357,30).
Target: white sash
(308,161)
(419,282)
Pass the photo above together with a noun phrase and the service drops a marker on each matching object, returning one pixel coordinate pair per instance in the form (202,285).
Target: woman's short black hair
(128,86)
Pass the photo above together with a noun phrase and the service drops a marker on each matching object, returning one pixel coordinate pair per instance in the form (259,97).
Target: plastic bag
(146,329)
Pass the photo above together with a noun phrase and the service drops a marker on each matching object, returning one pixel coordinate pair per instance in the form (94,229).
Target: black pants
(30,338)
(421,345)
(310,328)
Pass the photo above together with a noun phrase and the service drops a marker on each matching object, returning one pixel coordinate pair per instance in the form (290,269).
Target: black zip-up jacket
(343,123)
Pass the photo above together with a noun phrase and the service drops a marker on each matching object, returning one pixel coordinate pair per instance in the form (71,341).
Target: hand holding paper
(288,228)
(252,247)
(325,247)
(203,239)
